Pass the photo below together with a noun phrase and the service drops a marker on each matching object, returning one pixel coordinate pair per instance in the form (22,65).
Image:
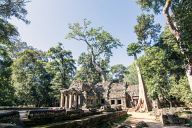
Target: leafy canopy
(146,30)
(61,65)
(99,43)
(16,8)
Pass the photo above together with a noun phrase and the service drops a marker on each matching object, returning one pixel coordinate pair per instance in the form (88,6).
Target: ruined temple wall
(89,122)
(104,94)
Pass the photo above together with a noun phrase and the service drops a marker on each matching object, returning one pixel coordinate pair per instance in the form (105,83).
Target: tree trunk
(173,28)
(189,76)
(93,60)
(142,104)
(98,68)
(104,78)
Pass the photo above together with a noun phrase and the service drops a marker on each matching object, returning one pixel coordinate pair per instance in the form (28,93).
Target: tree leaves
(30,79)
(61,66)
(146,30)
(99,43)
(16,8)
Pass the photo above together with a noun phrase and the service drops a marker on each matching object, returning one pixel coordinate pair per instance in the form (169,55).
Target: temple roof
(133,90)
(114,90)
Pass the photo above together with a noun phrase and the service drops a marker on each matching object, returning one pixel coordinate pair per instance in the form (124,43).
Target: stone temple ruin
(81,95)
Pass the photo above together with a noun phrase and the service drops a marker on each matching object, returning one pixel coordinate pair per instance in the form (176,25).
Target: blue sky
(50,19)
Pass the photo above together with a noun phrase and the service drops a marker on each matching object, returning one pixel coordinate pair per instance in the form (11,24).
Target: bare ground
(135,117)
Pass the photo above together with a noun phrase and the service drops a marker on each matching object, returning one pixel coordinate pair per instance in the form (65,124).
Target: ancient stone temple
(81,95)
(70,98)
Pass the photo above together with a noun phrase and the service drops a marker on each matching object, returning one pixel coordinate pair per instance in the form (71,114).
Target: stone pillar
(66,101)
(70,100)
(62,100)
(79,100)
(75,101)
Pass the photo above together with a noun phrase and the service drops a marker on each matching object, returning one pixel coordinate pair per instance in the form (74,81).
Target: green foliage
(87,72)
(155,5)
(30,79)
(146,30)
(131,76)
(18,47)
(6,90)
(133,49)
(180,90)
(61,66)
(163,71)
(99,43)
(8,35)
(179,23)
(16,8)
(118,72)
(155,73)
(183,19)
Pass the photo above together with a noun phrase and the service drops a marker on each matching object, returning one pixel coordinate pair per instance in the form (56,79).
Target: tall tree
(163,71)
(30,79)
(8,34)
(61,66)
(155,73)
(132,50)
(147,34)
(179,22)
(6,90)
(99,43)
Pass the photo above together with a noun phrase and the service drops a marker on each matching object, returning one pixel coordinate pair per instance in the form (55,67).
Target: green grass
(116,122)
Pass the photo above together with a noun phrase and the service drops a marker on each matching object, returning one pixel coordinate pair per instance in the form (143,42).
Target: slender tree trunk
(189,76)
(174,30)
(142,104)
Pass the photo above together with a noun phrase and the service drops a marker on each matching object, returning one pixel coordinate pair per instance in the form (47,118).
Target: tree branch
(170,23)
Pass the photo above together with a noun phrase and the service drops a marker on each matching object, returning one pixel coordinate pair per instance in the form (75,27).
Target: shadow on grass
(110,124)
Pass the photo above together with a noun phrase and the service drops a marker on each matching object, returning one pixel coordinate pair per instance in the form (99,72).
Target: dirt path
(136,117)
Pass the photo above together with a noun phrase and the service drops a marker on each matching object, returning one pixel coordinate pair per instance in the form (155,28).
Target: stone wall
(23,108)
(176,116)
(41,117)
(10,117)
(88,122)
(69,119)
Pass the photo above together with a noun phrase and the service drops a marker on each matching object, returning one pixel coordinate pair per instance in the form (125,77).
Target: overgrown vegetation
(29,76)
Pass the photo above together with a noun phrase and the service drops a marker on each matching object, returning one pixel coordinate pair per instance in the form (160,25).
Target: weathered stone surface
(124,126)
(101,94)
(45,114)
(11,117)
(88,122)
(176,116)
(41,117)
(141,124)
